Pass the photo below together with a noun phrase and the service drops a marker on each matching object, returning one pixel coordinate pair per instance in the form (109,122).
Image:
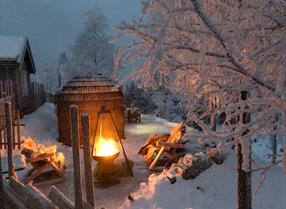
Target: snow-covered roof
(14,49)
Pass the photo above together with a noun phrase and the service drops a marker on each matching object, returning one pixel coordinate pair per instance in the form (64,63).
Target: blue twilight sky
(51,25)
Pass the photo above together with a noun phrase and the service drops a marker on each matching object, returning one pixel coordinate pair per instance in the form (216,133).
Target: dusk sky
(51,25)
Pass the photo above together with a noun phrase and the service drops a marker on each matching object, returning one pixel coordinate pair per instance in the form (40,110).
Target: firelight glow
(105,147)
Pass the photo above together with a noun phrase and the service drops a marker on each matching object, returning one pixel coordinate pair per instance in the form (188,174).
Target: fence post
(87,159)
(2,194)
(18,130)
(76,157)
(8,115)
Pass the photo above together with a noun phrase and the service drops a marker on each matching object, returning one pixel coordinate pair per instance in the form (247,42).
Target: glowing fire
(105,147)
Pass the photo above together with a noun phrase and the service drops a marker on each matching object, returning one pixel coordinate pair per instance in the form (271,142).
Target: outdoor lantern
(106,141)
(106,147)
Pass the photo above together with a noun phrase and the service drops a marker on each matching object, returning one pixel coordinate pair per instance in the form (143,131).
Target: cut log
(177,133)
(172,145)
(152,140)
(153,164)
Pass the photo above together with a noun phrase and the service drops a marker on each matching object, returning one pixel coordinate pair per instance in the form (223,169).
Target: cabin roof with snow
(16,50)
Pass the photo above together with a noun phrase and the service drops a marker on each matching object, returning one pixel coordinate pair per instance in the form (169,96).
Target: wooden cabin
(90,94)
(16,65)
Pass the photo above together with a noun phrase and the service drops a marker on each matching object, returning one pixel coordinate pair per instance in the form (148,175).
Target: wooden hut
(89,94)
(16,65)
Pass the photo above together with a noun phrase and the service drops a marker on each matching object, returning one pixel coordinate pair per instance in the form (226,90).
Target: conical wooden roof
(89,89)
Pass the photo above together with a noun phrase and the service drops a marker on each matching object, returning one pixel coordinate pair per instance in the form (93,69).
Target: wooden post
(8,116)
(5,137)
(18,130)
(13,131)
(87,159)
(2,194)
(76,157)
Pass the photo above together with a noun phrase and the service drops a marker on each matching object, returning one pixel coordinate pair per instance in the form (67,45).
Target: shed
(89,94)
(16,65)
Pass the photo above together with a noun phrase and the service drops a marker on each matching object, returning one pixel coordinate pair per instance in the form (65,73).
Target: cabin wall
(92,108)
(19,75)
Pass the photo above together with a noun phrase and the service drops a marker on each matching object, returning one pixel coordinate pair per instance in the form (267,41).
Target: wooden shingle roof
(14,50)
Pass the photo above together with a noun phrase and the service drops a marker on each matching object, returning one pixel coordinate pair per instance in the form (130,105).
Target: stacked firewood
(164,147)
(41,157)
(185,160)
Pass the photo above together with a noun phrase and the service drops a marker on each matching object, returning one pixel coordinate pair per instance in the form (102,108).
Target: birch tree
(216,50)
(92,53)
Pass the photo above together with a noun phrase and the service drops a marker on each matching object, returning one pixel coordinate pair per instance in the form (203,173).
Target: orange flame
(105,147)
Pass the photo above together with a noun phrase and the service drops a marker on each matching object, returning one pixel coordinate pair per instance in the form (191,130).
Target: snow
(215,188)
(262,149)
(11,47)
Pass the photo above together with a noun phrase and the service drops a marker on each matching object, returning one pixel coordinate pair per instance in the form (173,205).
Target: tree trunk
(274,148)
(244,192)
(274,143)
(243,183)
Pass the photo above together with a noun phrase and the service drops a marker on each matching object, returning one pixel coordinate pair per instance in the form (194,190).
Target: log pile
(48,164)
(164,149)
(186,158)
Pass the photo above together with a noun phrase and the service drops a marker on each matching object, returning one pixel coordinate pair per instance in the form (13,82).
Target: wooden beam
(87,159)
(76,157)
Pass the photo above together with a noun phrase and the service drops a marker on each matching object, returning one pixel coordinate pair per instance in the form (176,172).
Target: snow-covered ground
(213,189)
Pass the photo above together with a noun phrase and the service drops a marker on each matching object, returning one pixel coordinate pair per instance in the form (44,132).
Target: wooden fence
(37,95)
(7,94)
(15,195)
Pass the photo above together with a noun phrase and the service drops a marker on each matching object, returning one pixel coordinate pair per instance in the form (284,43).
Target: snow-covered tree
(48,77)
(64,69)
(219,50)
(92,53)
